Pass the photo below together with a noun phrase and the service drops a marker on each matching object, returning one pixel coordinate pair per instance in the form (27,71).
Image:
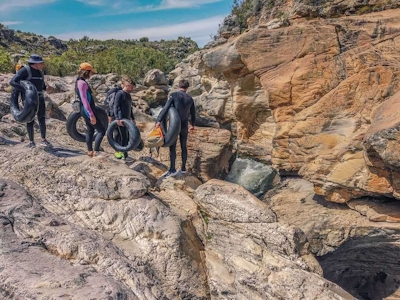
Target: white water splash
(155,111)
(256,177)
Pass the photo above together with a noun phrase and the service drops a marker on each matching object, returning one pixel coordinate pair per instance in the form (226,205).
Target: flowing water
(254,176)
(155,111)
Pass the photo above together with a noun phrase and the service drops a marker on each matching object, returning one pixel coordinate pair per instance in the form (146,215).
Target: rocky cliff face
(317,98)
(74,226)
(312,97)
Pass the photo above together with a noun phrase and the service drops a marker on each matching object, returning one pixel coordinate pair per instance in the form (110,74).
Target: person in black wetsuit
(184,104)
(123,110)
(33,73)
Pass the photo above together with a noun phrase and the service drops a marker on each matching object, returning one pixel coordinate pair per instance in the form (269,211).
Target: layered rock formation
(74,225)
(304,97)
(357,253)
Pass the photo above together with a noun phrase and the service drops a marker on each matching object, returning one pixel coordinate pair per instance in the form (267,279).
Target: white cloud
(8,5)
(198,30)
(7,23)
(129,8)
(168,4)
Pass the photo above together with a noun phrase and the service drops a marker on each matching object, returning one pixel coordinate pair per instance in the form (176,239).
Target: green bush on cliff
(6,65)
(243,9)
(133,57)
(134,61)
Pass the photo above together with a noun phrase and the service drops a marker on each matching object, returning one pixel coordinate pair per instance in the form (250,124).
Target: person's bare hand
(191,130)
(93,120)
(157,124)
(119,122)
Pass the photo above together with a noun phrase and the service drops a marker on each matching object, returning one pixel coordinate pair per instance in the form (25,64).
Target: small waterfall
(256,177)
(155,111)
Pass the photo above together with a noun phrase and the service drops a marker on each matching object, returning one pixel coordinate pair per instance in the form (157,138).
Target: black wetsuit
(37,80)
(123,110)
(184,104)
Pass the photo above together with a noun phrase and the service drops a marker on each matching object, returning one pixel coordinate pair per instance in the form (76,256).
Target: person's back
(184,104)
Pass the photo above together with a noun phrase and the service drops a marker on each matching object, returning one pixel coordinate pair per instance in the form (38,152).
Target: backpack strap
(28,68)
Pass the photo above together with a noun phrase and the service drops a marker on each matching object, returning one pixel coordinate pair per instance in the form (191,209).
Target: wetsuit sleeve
(117,106)
(164,111)
(22,74)
(83,90)
(193,114)
(132,116)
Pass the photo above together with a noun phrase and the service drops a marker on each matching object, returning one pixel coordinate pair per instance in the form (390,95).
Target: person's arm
(22,74)
(164,111)
(193,114)
(132,116)
(44,84)
(117,108)
(83,89)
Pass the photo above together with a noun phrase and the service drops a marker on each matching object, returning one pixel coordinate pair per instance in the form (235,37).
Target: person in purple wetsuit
(88,111)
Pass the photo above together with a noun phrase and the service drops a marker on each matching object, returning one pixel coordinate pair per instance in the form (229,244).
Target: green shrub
(6,65)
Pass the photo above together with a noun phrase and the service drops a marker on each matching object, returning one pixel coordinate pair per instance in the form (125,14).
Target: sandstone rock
(293,107)
(354,252)
(258,270)
(153,96)
(56,85)
(155,77)
(209,153)
(102,89)
(4,82)
(224,58)
(33,262)
(52,110)
(111,201)
(96,80)
(4,104)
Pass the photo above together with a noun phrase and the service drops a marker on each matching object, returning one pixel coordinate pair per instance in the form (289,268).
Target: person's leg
(101,131)
(89,132)
(118,139)
(172,158)
(183,136)
(29,129)
(42,117)
(124,138)
(42,121)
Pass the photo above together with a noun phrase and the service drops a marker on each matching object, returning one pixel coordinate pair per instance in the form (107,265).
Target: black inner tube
(134,137)
(73,120)
(30,100)
(171,127)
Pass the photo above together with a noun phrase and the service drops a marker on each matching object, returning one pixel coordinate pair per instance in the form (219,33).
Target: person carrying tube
(184,104)
(123,110)
(86,98)
(33,73)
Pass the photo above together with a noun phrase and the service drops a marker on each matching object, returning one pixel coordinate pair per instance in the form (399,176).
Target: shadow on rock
(368,268)
(63,152)
(4,141)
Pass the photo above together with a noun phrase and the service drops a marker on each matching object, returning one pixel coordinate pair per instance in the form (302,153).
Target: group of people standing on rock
(122,109)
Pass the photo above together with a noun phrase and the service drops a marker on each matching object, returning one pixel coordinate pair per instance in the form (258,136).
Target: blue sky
(119,19)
